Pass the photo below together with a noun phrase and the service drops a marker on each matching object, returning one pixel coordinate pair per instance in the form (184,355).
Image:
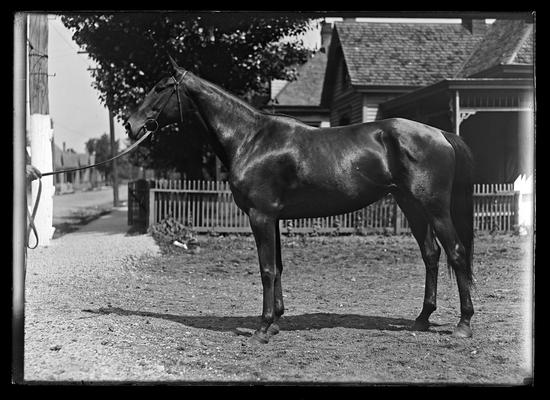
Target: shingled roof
(403,54)
(506,42)
(306,89)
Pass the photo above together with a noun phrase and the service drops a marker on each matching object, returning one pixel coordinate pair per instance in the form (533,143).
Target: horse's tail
(462,199)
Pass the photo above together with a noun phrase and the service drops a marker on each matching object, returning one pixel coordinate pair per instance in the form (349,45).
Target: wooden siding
(339,88)
(371,106)
(350,104)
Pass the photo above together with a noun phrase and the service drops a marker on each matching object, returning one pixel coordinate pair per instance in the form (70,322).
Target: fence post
(398,217)
(130,201)
(515,220)
(151,206)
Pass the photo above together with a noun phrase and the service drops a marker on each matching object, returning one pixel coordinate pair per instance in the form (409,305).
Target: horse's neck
(230,121)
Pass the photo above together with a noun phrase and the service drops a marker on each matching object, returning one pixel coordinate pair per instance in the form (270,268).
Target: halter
(154,119)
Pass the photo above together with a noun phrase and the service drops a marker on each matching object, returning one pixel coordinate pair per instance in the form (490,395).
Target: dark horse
(281,168)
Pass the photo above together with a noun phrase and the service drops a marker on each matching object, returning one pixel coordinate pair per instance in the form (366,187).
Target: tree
(102,148)
(241,52)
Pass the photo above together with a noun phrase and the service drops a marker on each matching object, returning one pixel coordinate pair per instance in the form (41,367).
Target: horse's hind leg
(456,257)
(430,250)
(430,254)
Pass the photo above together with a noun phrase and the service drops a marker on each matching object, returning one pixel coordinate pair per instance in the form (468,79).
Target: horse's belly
(321,203)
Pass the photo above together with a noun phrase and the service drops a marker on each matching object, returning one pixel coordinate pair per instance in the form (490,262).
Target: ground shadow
(289,323)
(76,221)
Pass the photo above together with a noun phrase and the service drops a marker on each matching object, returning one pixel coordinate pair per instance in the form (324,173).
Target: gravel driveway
(106,306)
(61,341)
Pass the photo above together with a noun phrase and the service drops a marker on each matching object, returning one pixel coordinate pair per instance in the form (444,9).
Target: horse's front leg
(278,289)
(264,230)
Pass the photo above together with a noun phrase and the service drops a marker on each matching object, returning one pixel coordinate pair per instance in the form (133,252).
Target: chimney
(326,34)
(475,26)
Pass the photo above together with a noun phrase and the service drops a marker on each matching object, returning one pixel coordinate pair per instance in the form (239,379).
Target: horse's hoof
(259,337)
(273,329)
(420,325)
(462,331)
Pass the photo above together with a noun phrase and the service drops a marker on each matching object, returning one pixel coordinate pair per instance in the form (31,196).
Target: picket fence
(208,206)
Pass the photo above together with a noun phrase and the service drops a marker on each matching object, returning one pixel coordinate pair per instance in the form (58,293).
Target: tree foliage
(241,52)
(102,148)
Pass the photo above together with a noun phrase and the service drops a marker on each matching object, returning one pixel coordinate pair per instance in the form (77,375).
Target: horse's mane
(243,103)
(231,96)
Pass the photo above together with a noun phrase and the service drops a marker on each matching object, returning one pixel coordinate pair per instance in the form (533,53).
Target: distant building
(84,179)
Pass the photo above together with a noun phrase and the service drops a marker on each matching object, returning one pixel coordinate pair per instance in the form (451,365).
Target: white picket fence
(208,206)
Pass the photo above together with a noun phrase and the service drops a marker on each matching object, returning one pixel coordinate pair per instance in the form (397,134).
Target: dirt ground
(181,317)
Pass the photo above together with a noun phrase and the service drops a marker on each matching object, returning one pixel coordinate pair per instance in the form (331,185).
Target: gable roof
(403,54)
(507,42)
(306,89)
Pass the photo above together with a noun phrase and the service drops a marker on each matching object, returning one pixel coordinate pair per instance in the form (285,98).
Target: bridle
(152,129)
(151,125)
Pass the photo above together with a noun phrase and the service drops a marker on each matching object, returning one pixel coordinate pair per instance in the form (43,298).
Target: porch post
(457,113)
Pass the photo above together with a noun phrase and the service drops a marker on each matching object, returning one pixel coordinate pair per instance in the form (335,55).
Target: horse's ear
(174,64)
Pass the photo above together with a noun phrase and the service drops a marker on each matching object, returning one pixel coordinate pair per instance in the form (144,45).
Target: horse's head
(163,105)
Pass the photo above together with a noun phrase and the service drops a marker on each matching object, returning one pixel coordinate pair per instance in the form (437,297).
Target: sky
(75,108)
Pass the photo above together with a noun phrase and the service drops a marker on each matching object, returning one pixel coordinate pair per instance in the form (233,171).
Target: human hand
(33,173)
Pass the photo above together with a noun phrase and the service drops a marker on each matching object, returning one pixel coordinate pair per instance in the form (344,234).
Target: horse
(282,168)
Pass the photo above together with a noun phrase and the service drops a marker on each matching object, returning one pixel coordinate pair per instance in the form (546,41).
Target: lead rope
(32,214)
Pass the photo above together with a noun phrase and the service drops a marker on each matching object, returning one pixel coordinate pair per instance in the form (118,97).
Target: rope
(32,227)
(129,149)
(32,214)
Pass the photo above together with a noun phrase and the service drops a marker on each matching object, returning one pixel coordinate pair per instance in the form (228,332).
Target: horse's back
(294,170)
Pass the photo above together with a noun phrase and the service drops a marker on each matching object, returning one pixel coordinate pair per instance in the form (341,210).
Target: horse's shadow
(301,322)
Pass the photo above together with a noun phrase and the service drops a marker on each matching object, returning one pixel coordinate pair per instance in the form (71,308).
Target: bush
(170,230)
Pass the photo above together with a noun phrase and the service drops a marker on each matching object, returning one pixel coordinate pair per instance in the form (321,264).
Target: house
(472,78)
(68,182)
(489,101)
(301,98)
(370,63)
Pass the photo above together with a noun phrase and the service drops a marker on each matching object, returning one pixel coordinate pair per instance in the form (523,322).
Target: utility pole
(113,153)
(113,149)
(40,122)
(19,211)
